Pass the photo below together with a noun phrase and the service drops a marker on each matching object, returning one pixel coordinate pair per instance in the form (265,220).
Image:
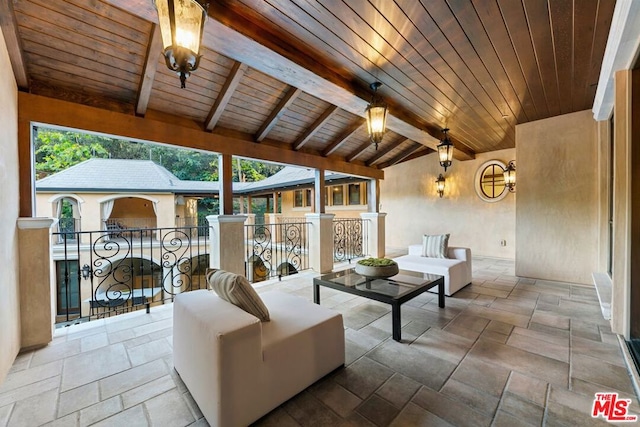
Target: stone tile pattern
(504,351)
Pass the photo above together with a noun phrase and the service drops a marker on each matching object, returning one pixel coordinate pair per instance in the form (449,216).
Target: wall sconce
(445,150)
(440,185)
(376,113)
(181,25)
(510,176)
(86,271)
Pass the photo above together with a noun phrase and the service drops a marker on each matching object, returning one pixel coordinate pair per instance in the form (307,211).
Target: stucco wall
(9,200)
(557,211)
(408,195)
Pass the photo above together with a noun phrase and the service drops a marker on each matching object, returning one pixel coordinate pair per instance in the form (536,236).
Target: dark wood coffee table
(395,290)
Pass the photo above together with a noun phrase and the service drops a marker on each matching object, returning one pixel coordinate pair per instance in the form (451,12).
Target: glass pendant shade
(376,114)
(510,176)
(181,25)
(445,151)
(440,185)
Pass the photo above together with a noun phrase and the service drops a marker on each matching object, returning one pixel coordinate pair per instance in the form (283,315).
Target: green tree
(58,150)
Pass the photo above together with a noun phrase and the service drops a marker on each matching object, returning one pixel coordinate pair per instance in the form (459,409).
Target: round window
(489,181)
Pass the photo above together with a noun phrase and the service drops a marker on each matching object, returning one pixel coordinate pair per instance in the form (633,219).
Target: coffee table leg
(441,294)
(316,293)
(395,321)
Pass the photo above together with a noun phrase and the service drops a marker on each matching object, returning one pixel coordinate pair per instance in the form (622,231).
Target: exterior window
(308,198)
(489,181)
(354,194)
(68,295)
(337,195)
(302,198)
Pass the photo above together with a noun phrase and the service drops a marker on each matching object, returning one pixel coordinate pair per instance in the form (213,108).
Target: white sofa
(238,368)
(456,269)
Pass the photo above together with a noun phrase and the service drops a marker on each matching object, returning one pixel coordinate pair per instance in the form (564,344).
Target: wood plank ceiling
(478,67)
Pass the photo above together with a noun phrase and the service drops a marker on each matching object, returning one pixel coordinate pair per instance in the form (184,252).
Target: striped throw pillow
(435,246)
(237,290)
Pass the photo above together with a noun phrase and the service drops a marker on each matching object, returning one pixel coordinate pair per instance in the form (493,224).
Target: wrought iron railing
(349,239)
(276,250)
(101,275)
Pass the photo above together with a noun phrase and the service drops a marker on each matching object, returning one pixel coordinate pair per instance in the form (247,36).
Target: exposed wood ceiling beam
(233,80)
(277,112)
(344,137)
(415,155)
(315,127)
(182,133)
(149,71)
(38,87)
(358,151)
(402,156)
(262,46)
(240,33)
(385,150)
(9,27)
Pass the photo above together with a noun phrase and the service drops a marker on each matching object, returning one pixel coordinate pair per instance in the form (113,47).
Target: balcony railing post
(375,223)
(320,241)
(227,242)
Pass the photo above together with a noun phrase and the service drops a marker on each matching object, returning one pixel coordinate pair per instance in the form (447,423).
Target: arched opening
(67,212)
(257,271)
(129,216)
(125,284)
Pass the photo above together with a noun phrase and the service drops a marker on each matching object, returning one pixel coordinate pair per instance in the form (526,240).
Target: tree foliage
(58,150)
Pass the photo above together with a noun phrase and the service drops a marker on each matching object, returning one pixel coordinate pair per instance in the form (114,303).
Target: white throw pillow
(435,246)
(237,290)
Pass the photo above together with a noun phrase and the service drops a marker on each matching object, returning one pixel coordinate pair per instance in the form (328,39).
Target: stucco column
(273,219)
(251,220)
(37,282)
(320,241)
(227,242)
(374,224)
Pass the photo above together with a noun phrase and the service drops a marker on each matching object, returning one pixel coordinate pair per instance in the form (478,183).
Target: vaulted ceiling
(295,73)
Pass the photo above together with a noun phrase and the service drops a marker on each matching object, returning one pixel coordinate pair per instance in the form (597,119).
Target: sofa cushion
(237,290)
(440,266)
(435,246)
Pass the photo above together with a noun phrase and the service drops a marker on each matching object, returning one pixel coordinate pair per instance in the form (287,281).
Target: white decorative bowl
(377,272)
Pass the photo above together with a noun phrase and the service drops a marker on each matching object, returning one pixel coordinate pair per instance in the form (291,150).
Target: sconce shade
(440,185)
(376,114)
(510,176)
(445,150)
(181,25)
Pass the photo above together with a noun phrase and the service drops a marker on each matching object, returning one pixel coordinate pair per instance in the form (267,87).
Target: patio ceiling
(294,74)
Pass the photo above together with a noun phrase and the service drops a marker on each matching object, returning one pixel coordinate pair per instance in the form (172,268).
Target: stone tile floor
(505,351)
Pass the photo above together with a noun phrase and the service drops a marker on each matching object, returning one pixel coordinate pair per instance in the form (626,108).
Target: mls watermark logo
(611,408)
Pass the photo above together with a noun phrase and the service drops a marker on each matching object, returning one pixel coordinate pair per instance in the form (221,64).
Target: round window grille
(489,181)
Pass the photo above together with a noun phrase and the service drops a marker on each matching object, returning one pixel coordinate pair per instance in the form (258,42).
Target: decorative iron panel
(276,250)
(349,239)
(127,269)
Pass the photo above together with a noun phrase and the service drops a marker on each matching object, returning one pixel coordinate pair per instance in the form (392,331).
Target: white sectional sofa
(456,269)
(238,368)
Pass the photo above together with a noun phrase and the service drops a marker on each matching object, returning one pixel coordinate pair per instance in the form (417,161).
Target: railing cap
(35,223)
